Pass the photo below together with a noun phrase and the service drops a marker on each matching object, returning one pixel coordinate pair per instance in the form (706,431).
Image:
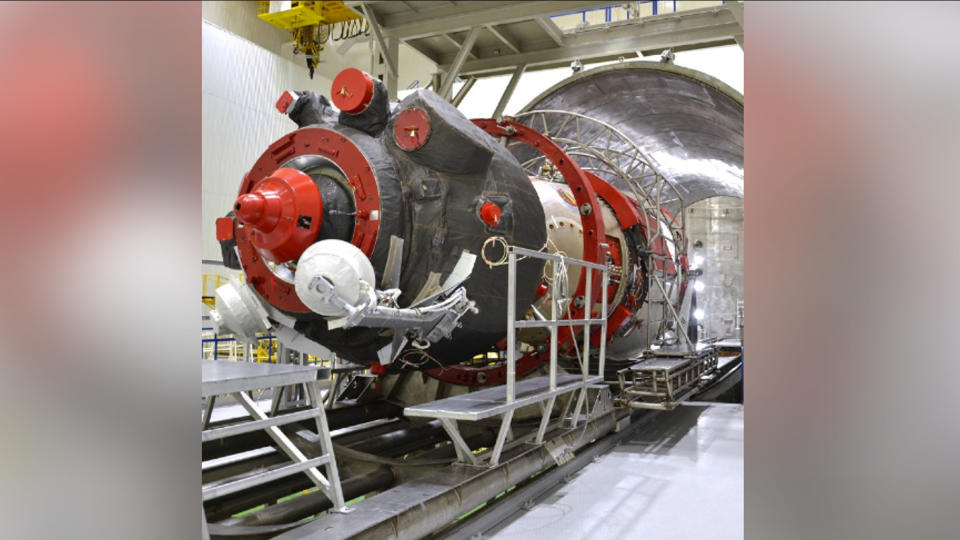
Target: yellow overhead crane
(309,22)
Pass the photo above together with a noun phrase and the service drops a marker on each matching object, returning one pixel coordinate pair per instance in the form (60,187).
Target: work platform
(238,379)
(224,377)
(497,401)
(664,380)
(543,391)
(493,401)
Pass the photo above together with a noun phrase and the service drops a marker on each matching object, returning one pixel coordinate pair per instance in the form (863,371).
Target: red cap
(490,213)
(286,100)
(352,91)
(284,212)
(542,290)
(411,128)
(224,229)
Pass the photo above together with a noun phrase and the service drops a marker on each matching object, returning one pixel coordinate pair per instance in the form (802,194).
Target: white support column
(392,57)
(554,307)
(326,445)
(208,411)
(463,91)
(501,437)
(463,451)
(511,323)
(388,48)
(587,315)
(545,418)
(603,326)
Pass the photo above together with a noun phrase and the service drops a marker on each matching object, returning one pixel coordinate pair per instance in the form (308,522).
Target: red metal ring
(486,375)
(576,178)
(366,198)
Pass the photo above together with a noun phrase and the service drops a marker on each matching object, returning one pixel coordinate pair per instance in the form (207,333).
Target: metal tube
(587,314)
(463,91)
(323,430)
(603,325)
(508,91)
(293,510)
(458,62)
(501,437)
(546,410)
(553,329)
(381,41)
(511,319)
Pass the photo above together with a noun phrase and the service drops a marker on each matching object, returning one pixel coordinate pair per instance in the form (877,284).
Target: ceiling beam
(450,19)
(454,69)
(708,25)
(502,36)
(427,52)
(458,45)
(736,9)
(381,42)
(551,30)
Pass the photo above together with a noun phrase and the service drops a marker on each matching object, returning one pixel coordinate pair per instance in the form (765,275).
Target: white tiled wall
(247,64)
(241,84)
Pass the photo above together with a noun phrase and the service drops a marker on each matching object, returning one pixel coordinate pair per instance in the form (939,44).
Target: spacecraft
(378,231)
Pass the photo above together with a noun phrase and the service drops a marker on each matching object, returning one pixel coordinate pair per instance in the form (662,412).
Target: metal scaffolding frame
(503,401)
(238,379)
(601,149)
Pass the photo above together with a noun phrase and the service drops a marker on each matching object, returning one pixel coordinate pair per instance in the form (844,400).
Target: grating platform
(493,401)
(223,377)
(661,363)
(663,381)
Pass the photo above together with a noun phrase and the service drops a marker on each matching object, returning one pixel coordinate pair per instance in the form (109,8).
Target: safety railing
(214,345)
(210,283)
(554,323)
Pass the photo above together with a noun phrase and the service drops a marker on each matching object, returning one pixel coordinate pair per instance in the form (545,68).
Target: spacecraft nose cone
(249,208)
(282,214)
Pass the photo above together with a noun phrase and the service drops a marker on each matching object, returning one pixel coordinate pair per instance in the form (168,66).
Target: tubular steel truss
(601,149)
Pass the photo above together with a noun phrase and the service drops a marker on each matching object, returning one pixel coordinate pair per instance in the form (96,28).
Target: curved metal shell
(689,124)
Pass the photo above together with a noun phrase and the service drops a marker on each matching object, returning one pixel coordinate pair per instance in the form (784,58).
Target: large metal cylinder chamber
(688,124)
(683,125)
(415,189)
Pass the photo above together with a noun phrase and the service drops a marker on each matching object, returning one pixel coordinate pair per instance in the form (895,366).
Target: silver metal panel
(668,364)
(221,377)
(689,124)
(493,401)
(715,233)
(562,322)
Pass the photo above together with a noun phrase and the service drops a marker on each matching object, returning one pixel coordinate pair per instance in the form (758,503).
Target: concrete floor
(678,477)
